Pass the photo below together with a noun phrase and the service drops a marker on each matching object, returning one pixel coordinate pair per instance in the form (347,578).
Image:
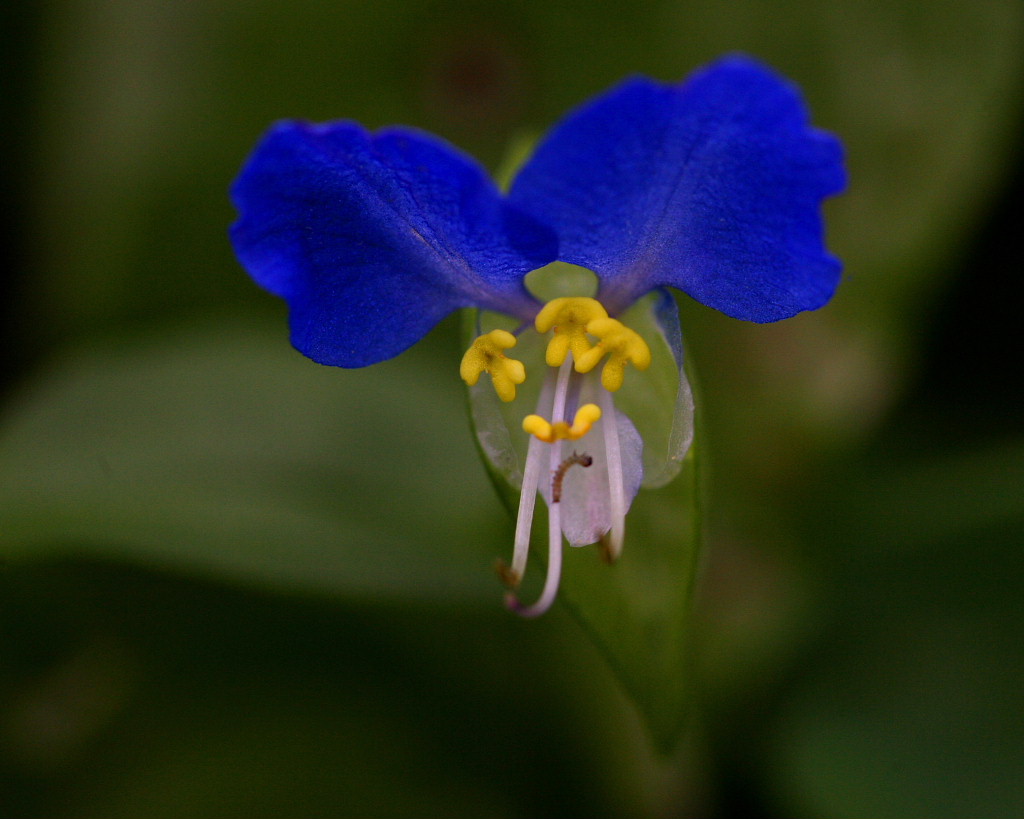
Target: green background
(236,584)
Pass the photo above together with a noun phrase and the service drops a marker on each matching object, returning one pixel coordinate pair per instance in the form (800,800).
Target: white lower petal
(595,500)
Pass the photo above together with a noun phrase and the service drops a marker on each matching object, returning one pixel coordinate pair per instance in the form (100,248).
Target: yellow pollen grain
(621,344)
(585,418)
(487,354)
(568,317)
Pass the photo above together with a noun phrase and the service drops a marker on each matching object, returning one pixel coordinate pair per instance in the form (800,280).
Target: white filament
(524,521)
(616,489)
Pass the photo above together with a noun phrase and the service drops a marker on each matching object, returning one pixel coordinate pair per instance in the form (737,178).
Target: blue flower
(712,186)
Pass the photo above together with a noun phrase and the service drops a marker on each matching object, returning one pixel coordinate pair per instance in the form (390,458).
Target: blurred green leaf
(223,451)
(911,704)
(130,693)
(638,611)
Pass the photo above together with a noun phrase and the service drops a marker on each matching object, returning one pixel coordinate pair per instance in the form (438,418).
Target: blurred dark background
(233,583)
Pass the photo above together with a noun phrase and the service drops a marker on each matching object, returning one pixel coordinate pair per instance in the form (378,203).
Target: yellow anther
(586,417)
(568,316)
(487,355)
(621,344)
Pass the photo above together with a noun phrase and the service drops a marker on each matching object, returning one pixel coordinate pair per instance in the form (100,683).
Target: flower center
(590,504)
(572,321)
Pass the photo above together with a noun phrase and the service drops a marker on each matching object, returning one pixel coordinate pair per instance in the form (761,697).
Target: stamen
(554,575)
(621,344)
(508,577)
(586,416)
(524,520)
(568,317)
(486,354)
(616,489)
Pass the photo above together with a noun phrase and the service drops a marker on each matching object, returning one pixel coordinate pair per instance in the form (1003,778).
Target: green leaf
(223,451)
(637,611)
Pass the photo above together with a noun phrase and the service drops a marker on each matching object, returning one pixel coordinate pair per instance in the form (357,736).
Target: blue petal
(373,239)
(713,186)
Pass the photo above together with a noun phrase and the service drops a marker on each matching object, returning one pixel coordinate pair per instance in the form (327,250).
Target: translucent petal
(659,399)
(498,425)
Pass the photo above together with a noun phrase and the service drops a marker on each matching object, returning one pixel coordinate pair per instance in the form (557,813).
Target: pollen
(568,317)
(621,344)
(586,417)
(487,354)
